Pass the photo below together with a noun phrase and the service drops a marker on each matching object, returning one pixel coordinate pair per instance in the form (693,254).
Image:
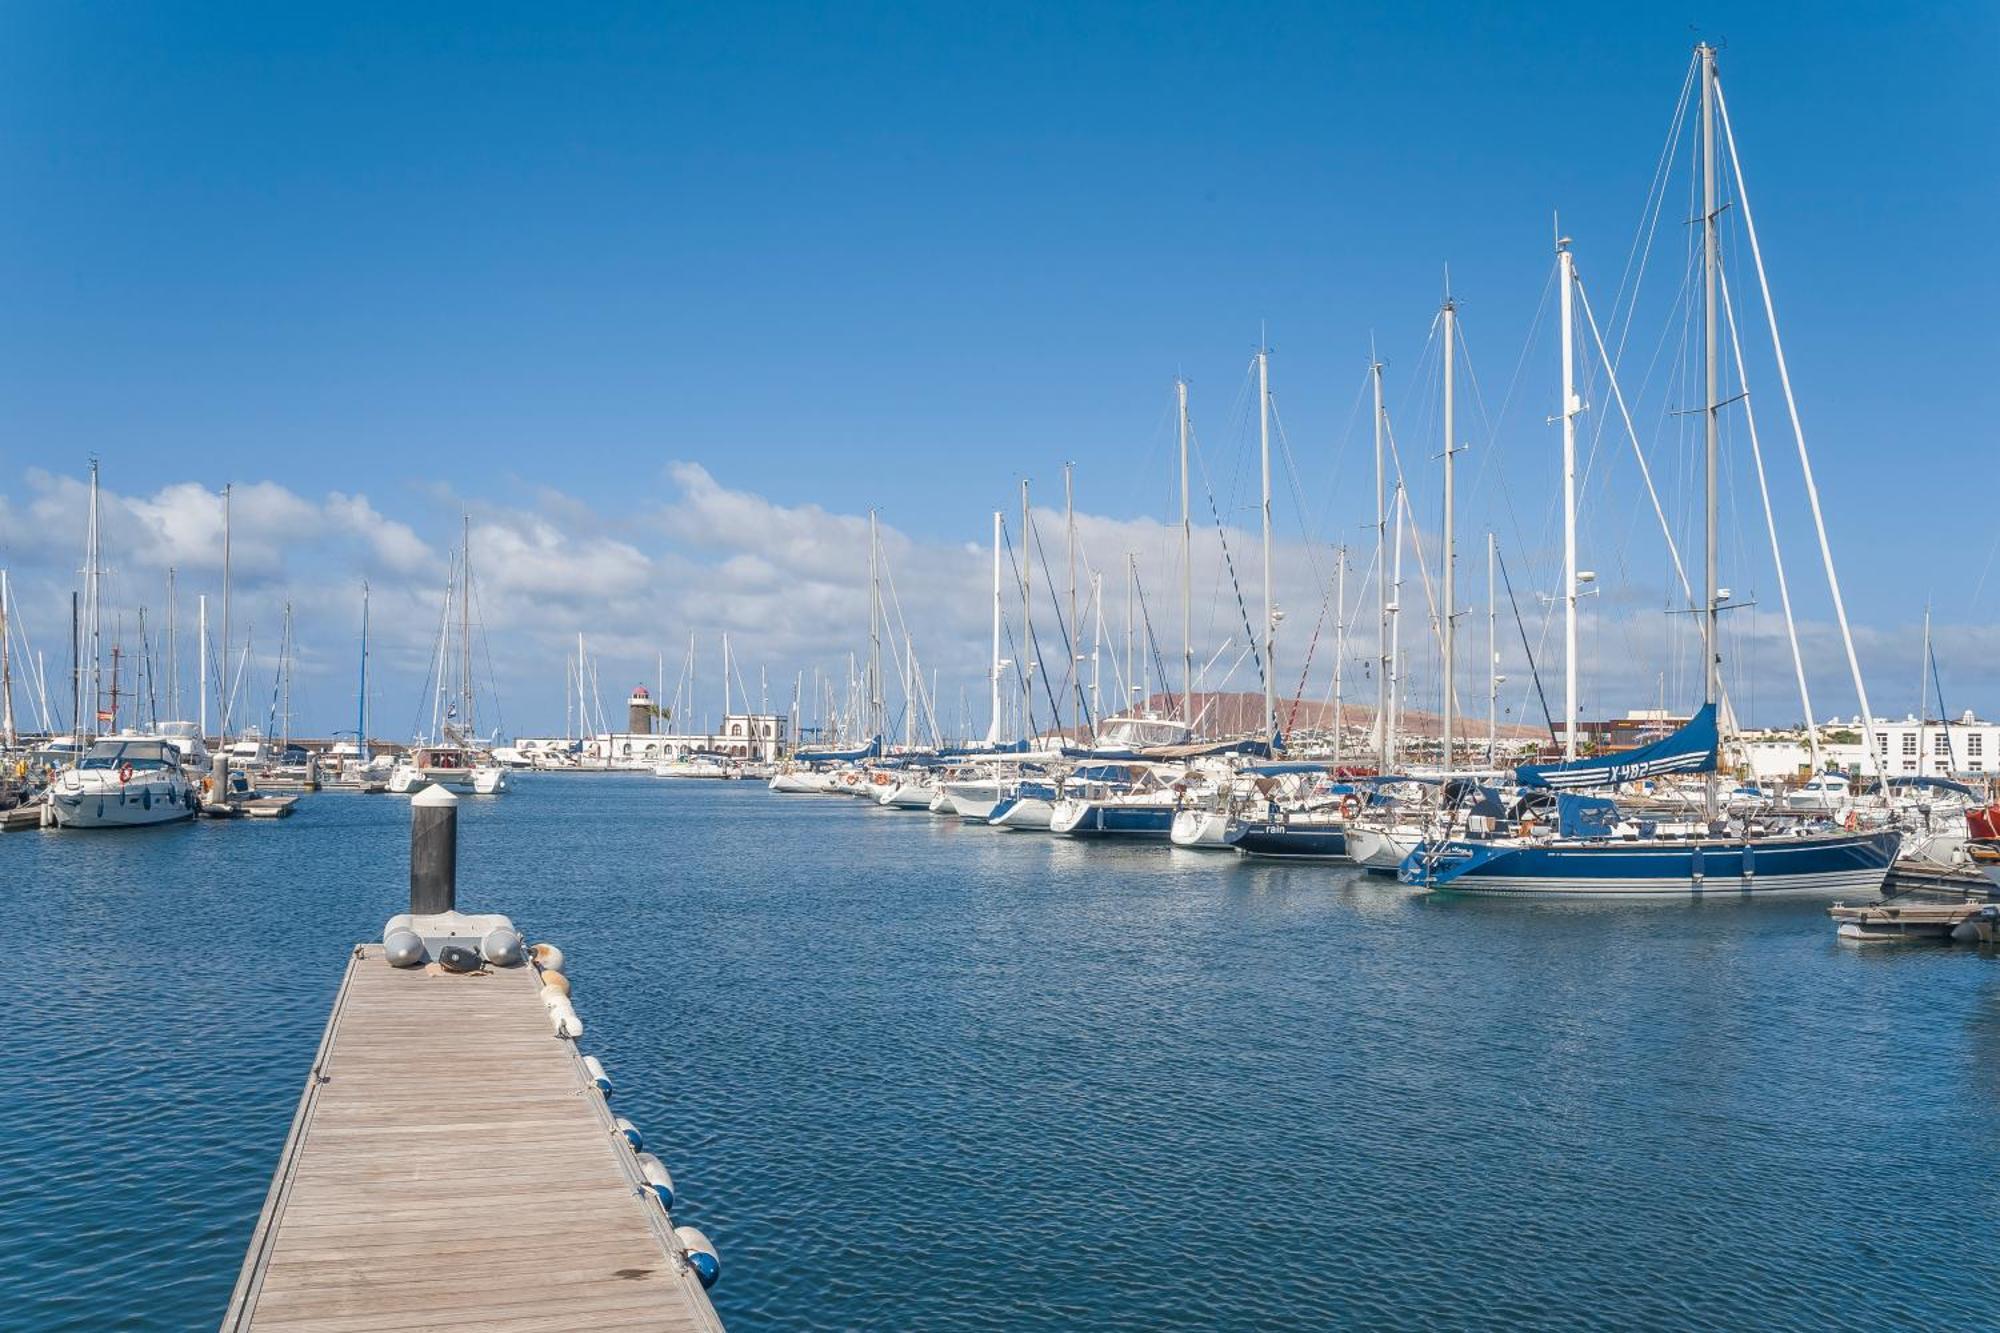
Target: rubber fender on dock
(562,1014)
(555,981)
(501,947)
(598,1078)
(403,948)
(631,1133)
(655,1172)
(547,956)
(701,1255)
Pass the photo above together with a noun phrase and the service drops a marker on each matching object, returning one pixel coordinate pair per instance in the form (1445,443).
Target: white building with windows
(1914,747)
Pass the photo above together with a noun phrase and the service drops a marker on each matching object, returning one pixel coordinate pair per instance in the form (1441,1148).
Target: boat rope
(1152,642)
(1229,564)
(1035,647)
(1533,672)
(1069,649)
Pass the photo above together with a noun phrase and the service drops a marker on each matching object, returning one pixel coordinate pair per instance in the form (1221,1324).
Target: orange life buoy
(1349,807)
(1852,822)
(125,771)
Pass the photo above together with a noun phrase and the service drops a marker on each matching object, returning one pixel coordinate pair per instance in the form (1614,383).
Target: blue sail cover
(1692,749)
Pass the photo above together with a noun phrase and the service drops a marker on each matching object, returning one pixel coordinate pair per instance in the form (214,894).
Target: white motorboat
(696,766)
(1199,826)
(1382,847)
(124,782)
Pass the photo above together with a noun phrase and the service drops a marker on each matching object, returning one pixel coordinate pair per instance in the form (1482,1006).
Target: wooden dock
(451,1165)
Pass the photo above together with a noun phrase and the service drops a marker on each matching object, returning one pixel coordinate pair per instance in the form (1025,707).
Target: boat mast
(1270,626)
(361,701)
(93,607)
(201,663)
(1396,620)
(222,683)
(1074,631)
(1450,553)
(285,676)
(6,669)
(1384,741)
(173,647)
(1566,262)
(1339,646)
(1096,641)
(1026,646)
(875,718)
(1187,568)
(76,667)
(993,726)
(1492,663)
(1131,573)
(1711,269)
(465,634)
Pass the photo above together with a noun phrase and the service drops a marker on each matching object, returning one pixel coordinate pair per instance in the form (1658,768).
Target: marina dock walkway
(452,1166)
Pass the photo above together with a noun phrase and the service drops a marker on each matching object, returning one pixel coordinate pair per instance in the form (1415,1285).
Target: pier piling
(433,852)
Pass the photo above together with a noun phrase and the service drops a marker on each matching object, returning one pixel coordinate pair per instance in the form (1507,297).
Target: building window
(1975,743)
(1909,742)
(1909,765)
(1882,741)
(1941,745)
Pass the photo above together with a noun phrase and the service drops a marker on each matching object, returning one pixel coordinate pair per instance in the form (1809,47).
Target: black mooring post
(433,851)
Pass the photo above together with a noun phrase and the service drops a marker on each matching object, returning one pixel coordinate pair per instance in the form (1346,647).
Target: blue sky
(527,259)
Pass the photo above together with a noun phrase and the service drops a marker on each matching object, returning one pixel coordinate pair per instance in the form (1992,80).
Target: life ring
(1349,807)
(125,772)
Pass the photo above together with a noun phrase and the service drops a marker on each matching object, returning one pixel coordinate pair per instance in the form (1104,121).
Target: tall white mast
(1131,572)
(1339,647)
(1492,662)
(1711,270)
(465,635)
(1187,567)
(875,717)
(1450,552)
(1073,631)
(1096,643)
(6,668)
(222,685)
(1270,625)
(92,594)
(725,680)
(1385,745)
(1566,262)
(1396,623)
(993,727)
(1025,649)
(173,647)
(201,662)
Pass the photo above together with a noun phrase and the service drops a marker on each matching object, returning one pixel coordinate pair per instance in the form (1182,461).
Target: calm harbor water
(915,1075)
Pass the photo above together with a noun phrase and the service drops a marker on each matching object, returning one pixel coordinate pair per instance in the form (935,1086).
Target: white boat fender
(458,958)
(501,947)
(598,1078)
(701,1255)
(631,1133)
(555,982)
(547,956)
(655,1172)
(403,948)
(562,1014)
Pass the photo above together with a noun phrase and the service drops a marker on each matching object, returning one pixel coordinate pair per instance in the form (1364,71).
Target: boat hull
(1023,812)
(1816,866)
(1109,819)
(1201,828)
(135,805)
(1293,842)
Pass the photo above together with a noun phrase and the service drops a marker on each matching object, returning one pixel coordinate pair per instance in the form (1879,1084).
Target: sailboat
(452,761)
(1595,849)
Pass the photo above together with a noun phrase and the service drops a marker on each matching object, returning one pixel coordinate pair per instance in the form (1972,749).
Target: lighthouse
(639,712)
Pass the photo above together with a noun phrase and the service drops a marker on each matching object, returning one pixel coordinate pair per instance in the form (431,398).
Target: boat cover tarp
(1692,749)
(868,751)
(974,752)
(1584,816)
